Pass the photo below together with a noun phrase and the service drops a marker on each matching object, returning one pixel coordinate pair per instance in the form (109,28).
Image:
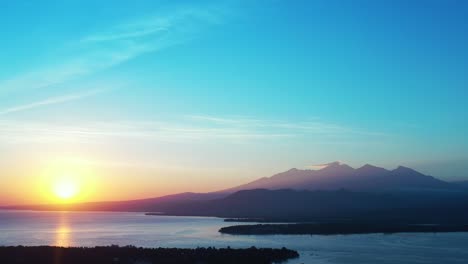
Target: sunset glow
(66,188)
(234,131)
(110,102)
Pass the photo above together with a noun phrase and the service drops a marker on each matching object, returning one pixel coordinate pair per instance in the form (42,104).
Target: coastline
(339,229)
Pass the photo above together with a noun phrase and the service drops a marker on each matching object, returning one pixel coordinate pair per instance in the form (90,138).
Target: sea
(90,229)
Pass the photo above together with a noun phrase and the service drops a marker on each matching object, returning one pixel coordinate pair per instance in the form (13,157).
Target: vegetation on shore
(263,220)
(131,254)
(337,229)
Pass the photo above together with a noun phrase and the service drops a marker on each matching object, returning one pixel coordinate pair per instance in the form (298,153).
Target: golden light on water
(63,231)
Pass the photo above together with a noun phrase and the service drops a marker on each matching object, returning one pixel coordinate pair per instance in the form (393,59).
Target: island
(132,254)
(339,229)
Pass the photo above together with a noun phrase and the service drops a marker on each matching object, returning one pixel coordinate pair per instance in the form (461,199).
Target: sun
(65,188)
(65,182)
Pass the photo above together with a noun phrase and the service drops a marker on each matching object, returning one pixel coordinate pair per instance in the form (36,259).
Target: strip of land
(252,220)
(131,254)
(337,229)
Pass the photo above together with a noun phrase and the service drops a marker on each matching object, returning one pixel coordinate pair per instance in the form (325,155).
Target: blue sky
(227,91)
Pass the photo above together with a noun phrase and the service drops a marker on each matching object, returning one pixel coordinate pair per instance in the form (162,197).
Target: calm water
(99,228)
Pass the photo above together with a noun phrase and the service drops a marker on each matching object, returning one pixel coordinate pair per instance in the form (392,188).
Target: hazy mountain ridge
(341,176)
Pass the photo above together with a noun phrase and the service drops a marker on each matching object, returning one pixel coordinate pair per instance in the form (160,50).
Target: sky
(145,98)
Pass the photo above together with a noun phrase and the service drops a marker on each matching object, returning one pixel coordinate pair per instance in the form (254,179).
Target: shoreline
(339,229)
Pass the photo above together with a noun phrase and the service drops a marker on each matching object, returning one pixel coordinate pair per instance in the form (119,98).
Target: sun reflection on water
(63,231)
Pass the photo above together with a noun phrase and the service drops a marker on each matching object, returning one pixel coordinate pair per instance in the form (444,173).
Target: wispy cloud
(185,129)
(119,43)
(50,101)
(323,165)
(310,126)
(184,20)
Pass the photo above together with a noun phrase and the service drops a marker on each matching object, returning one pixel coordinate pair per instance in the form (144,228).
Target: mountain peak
(370,167)
(371,170)
(367,165)
(335,164)
(336,167)
(404,169)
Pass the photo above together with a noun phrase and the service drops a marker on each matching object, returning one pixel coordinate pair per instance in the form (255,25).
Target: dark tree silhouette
(130,254)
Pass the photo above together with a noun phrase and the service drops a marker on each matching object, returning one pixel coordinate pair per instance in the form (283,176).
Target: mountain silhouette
(337,175)
(335,190)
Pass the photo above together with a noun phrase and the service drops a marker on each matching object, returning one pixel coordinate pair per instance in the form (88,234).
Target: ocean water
(105,228)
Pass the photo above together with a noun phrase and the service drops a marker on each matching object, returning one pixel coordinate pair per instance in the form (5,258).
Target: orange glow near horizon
(63,182)
(69,180)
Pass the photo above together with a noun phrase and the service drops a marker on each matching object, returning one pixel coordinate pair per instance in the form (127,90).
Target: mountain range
(334,191)
(336,175)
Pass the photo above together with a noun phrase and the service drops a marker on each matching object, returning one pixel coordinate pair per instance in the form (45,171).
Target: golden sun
(65,188)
